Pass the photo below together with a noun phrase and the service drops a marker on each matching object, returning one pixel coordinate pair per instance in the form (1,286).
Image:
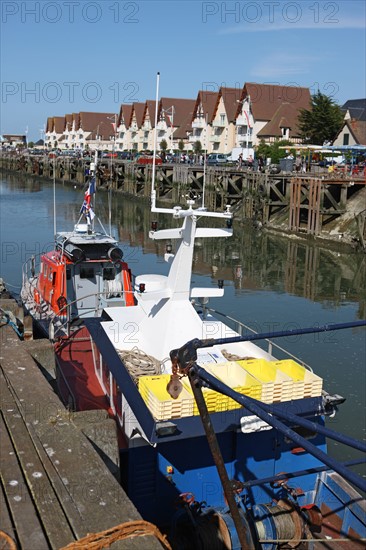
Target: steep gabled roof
(59,124)
(49,124)
(208,101)
(356,108)
(265,99)
(138,109)
(358,130)
(125,114)
(285,117)
(68,122)
(150,107)
(99,124)
(183,109)
(231,99)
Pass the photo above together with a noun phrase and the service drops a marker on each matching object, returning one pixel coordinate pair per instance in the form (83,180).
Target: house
(123,124)
(203,114)
(223,124)
(54,131)
(270,112)
(353,131)
(14,140)
(174,121)
(148,125)
(135,132)
(95,131)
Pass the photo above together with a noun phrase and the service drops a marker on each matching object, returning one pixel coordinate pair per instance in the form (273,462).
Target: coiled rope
(138,363)
(130,529)
(6,542)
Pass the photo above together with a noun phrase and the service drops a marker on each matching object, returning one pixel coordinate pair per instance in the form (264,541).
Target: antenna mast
(153,193)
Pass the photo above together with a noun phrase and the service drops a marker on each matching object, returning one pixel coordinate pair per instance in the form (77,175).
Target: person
(240,160)
(250,161)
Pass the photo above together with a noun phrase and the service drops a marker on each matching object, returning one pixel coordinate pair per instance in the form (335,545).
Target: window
(222,119)
(345,139)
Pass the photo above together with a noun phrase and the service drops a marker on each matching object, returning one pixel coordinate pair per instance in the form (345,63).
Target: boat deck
(55,488)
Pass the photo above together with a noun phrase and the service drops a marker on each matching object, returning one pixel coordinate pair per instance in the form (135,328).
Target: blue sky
(67,56)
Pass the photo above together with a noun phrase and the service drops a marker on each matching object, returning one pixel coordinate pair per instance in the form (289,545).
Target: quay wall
(314,204)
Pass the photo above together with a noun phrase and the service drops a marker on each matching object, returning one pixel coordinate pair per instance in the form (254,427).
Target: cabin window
(54,278)
(108,274)
(87,273)
(68,274)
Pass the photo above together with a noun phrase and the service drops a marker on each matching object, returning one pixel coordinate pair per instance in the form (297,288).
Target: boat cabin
(85,271)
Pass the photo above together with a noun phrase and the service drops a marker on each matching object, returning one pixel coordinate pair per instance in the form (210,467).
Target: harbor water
(272,283)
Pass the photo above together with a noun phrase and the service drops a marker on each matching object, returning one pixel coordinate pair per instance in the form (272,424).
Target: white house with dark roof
(270,112)
(353,131)
(123,124)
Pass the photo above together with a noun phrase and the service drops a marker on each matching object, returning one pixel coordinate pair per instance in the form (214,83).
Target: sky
(60,57)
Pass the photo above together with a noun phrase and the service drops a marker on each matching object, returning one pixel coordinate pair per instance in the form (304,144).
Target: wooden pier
(302,202)
(55,488)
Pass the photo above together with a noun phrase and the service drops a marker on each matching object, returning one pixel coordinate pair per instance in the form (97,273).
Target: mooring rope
(138,363)
(104,539)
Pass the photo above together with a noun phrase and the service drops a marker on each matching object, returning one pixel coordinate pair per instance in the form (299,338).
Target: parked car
(215,159)
(148,159)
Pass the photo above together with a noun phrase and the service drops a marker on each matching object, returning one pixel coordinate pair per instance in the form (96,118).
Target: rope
(9,542)
(130,529)
(233,357)
(138,363)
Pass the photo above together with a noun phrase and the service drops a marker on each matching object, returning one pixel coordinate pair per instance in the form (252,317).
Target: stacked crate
(305,382)
(276,385)
(162,406)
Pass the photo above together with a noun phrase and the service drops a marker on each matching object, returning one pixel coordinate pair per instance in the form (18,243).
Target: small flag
(86,207)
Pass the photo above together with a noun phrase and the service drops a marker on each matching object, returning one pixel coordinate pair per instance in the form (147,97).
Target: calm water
(271,283)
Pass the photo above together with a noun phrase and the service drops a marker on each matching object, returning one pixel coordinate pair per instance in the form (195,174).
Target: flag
(86,207)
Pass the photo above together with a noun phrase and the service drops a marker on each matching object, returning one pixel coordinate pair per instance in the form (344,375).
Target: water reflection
(258,260)
(249,260)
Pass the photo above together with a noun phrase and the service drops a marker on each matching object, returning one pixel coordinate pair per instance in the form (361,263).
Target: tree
(197,147)
(163,145)
(30,144)
(181,145)
(322,122)
(273,150)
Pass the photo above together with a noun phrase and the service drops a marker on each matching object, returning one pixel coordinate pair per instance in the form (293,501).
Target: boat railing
(239,327)
(62,322)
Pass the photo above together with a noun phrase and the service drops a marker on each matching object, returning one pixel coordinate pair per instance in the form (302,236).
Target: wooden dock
(55,489)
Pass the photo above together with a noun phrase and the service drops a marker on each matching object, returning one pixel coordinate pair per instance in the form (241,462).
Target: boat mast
(153,193)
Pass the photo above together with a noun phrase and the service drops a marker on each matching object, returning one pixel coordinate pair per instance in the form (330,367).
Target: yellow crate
(238,379)
(276,385)
(306,383)
(215,402)
(161,405)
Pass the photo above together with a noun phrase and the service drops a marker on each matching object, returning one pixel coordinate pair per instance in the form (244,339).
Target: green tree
(322,122)
(197,147)
(163,145)
(181,145)
(30,144)
(273,150)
